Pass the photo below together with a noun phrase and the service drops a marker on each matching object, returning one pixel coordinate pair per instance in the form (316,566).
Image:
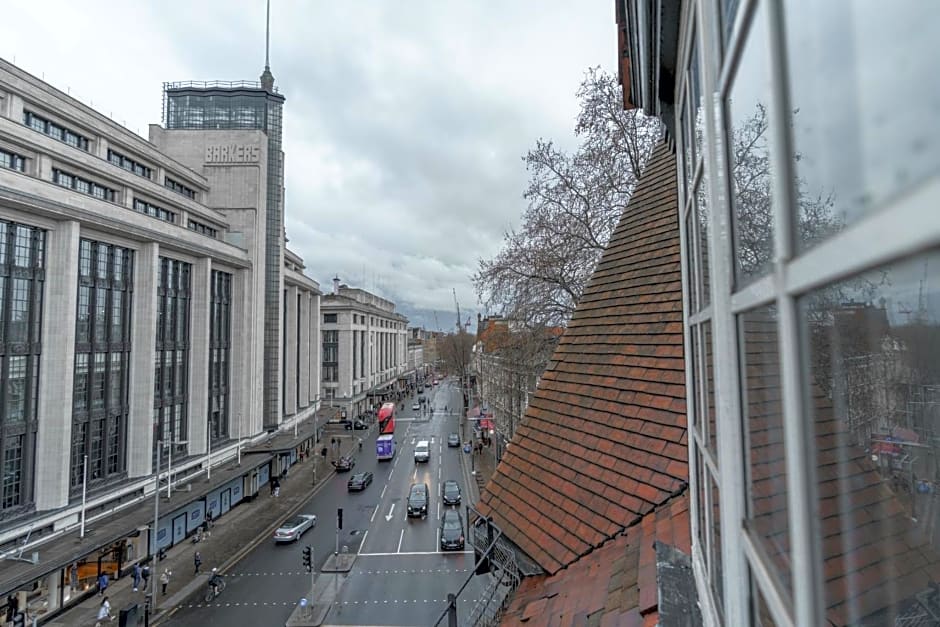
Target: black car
(344,463)
(451,493)
(452,531)
(418,500)
(349,425)
(453,440)
(359,481)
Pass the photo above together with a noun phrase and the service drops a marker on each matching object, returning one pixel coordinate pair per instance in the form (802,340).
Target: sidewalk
(233,536)
(478,467)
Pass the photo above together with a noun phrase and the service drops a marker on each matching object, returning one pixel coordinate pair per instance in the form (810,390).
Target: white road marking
(382,496)
(374,510)
(390,514)
(465,551)
(364,536)
(400,538)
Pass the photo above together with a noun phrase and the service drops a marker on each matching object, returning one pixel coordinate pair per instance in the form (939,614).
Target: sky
(404,126)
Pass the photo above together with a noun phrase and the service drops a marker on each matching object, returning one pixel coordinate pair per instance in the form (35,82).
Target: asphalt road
(400,576)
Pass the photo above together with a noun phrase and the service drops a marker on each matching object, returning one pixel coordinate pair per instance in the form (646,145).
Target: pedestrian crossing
(194,606)
(403,571)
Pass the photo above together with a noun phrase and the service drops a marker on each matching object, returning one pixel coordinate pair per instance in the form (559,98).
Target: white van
(422,451)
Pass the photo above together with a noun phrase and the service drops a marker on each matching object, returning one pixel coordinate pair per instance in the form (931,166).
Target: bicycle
(215,589)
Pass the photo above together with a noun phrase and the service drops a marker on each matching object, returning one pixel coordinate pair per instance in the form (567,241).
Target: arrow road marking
(388,516)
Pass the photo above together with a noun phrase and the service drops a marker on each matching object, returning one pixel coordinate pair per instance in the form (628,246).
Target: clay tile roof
(603,440)
(614,585)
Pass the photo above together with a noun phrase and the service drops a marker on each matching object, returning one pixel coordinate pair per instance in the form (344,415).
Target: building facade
(808,175)
(136,315)
(364,350)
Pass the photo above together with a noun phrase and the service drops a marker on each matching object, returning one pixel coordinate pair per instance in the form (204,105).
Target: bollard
(305,607)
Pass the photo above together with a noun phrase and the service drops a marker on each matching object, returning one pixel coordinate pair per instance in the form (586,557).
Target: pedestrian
(275,487)
(197,562)
(136,577)
(164,580)
(104,611)
(73,577)
(210,518)
(102,583)
(145,575)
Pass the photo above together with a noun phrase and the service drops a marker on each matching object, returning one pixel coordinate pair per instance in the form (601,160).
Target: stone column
(316,351)
(244,360)
(303,394)
(57,366)
(199,317)
(290,351)
(143,345)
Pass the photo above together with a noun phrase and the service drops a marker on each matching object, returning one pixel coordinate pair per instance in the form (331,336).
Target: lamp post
(156,517)
(239,445)
(169,463)
(84,493)
(209,450)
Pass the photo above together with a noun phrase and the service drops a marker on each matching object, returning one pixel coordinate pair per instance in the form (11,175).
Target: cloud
(405,123)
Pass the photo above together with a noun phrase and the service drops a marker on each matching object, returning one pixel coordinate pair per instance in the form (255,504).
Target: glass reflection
(767,472)
(874,395)
(863,81)
(749,156)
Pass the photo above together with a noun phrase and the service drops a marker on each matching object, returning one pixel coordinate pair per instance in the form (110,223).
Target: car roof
(451,514)
(419,486)
(450,482)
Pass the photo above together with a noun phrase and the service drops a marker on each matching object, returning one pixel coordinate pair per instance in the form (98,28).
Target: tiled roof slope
(615,585)
(604,437)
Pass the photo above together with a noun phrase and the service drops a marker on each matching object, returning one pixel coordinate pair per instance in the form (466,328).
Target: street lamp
(156,512)
(169,463)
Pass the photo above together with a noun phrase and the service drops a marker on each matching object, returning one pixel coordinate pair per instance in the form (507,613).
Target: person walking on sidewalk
(164,580)
(136,577)
(104,612)
(102,583)
(197,562)
(145,574)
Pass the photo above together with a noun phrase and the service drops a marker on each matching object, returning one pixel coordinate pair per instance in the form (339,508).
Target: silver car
(295,527)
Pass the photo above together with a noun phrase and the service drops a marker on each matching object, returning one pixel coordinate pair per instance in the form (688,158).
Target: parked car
(295,527)
(450,493)
(452,538)
(349,425)
(359,481)
(344,463)
(416,406)
(359,425)
(418,500)
(453,440)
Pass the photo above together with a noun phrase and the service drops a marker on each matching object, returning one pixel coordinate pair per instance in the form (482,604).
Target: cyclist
(215,582)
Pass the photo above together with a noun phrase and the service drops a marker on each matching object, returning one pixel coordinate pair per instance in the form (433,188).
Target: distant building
(364,350)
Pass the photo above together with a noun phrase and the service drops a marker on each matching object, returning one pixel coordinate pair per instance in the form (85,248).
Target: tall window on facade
(171,358)
(22,261)
(220,341)
(100,403)
(330,356)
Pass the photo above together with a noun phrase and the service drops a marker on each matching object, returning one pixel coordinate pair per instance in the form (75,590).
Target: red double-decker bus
(386,418)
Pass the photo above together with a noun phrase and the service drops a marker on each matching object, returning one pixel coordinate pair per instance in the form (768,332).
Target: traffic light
(339,517)
(308,558)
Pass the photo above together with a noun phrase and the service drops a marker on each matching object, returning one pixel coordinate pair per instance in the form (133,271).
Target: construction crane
(437,324)
(457,305)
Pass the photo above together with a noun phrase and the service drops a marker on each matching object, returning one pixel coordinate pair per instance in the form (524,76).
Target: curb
(250,546)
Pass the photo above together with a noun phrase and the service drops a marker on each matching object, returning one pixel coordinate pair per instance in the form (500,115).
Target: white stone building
(365,350)
(149,308)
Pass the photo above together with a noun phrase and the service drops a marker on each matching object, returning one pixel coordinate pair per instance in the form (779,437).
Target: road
(400,577)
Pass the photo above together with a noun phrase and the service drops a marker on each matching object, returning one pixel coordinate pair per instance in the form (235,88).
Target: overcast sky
(404,125)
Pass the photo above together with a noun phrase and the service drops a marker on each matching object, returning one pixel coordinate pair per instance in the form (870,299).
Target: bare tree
(575,201)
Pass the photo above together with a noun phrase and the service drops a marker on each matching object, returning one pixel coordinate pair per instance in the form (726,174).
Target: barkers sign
(232,153)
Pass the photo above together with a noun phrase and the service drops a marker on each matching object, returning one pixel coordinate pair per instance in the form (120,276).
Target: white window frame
(902,227)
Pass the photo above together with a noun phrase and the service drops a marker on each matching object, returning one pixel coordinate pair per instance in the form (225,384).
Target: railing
(214,84)
(504,575)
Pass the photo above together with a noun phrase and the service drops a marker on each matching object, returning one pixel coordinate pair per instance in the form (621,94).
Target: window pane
(855,153)
(750,157)
(873,394)
(767,472)
(708,380)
